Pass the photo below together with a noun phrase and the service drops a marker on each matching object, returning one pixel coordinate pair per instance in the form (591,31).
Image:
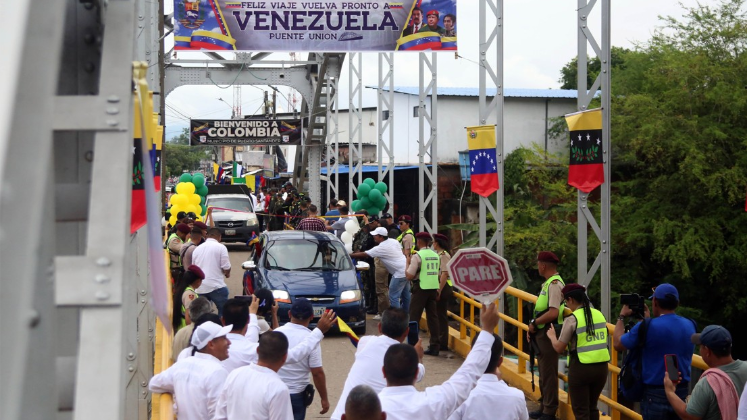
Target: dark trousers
(426,299)
(585,384)
(219,297)
(548,370)
(655,405)
(443,318)
(298,406)
(381,276)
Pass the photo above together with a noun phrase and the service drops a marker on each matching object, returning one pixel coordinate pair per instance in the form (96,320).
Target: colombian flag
(483,164)
(344,328)
(586,168)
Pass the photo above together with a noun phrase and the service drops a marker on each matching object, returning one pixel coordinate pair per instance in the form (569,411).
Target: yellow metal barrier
(460,342)
(163,404)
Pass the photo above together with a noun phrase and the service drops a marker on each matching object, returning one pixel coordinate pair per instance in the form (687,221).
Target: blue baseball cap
(302,309)
(714,337)
(664,290)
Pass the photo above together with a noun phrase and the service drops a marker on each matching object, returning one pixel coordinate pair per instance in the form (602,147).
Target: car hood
(228,216)
(310,282)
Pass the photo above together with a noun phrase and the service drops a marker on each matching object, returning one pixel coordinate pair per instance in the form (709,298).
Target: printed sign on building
(245,132)
(318,26)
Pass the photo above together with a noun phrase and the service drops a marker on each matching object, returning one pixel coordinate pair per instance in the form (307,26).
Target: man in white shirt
(296,375)
(245,337)
(492,392)
(401,401)
(363,404)
(196,381)
(212,258)
(389,251)
(256,392)
(369,356)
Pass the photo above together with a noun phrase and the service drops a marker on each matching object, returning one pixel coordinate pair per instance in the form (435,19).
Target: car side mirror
(362,266)
(249,265)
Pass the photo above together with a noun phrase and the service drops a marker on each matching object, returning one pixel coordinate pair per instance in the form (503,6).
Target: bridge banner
(315,26)
(586,166)
(245,132)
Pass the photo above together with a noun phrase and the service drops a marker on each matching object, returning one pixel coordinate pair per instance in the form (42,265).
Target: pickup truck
(238,222)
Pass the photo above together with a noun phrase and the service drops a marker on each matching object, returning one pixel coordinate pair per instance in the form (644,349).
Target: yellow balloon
(173,199)
(172,220)
(180,200)
(194,199)
(180,187)
(188,188)
(174,210)
(195,208)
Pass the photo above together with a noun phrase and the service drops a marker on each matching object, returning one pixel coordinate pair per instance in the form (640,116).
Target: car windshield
(306,255)
(232,203)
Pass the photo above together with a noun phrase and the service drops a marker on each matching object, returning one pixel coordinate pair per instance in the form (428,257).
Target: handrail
(163,404)
(467,327)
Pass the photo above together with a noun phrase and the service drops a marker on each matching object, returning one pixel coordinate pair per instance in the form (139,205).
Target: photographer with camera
(665,334)
(547,310)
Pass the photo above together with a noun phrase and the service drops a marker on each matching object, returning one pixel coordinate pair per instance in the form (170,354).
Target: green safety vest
(184,310)
(543,300)
(430,268)
(591,348)
(402,235)
(448,279)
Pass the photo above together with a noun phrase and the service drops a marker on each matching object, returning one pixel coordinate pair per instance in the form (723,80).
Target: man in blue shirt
(668,333)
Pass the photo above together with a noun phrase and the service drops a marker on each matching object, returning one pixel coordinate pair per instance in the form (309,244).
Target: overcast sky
(539,38)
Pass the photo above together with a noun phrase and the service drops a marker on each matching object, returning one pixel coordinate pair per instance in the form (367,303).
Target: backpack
(630,380)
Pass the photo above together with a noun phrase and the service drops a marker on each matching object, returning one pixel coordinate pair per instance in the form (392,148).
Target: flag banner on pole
(138,214)
(345,328)
(586,166)
(483,164)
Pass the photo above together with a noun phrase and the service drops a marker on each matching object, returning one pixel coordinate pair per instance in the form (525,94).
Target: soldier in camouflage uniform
(363,241)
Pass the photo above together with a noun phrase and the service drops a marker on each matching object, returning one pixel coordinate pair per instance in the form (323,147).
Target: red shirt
(312,223)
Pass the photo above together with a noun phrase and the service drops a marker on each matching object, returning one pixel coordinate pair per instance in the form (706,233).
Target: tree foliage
(180,157)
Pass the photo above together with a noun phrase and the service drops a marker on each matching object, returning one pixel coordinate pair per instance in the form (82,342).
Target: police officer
(407,237)
(548,309)
(585,335)
(423,271)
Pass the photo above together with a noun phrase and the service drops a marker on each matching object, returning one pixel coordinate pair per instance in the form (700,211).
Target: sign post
(480,273)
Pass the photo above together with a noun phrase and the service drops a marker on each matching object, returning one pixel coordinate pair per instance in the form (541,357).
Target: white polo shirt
(390,254)
(254,393)
(490,393)
(296,375)
(440,401)
(366,370)
(195,382)
(212,258)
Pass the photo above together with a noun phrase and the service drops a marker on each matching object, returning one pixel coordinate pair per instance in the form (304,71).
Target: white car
(234,215)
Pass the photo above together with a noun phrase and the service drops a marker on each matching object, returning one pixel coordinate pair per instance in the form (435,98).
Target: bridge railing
(163,404)
(468,328)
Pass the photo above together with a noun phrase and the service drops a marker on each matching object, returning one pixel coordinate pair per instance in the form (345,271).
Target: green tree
(569,72)
(180,157)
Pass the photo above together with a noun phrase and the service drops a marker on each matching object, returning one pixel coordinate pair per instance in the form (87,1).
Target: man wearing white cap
(389,251)
(196,381)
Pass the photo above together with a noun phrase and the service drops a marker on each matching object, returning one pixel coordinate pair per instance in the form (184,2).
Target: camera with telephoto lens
(635,302)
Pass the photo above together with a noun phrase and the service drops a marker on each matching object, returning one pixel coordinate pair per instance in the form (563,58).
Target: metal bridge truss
(385,147)
(355,125)
(427,142)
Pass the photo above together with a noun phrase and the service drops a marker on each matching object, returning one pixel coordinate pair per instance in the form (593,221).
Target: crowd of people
(231,363)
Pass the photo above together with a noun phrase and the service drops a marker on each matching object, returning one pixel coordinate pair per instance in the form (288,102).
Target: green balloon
(355,205)
(202,200)
(366,203)
(198,179)
(373,211)
(185,178)
(381,187)
(371,183)
(374,196)
(363,190)
(204,210)
(203,190)
(381,203)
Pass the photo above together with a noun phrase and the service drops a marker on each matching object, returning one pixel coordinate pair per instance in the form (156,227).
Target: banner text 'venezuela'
(356,20)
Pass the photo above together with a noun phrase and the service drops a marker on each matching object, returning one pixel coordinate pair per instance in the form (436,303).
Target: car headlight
(348,296)
(281,296)
(252,222)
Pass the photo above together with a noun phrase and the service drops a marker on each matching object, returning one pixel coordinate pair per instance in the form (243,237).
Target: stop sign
(481,273)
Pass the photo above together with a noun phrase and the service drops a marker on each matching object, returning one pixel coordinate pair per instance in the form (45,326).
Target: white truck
(234,215)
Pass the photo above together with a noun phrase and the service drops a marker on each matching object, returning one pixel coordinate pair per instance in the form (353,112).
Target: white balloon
(347,238)
(349,247)
(352,226)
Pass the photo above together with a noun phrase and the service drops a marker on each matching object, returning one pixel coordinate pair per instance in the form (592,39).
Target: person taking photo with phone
(585,335)
(716,395)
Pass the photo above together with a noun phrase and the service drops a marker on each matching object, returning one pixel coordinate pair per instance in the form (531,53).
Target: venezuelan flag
(344,328)
(482,160)
(420,41)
